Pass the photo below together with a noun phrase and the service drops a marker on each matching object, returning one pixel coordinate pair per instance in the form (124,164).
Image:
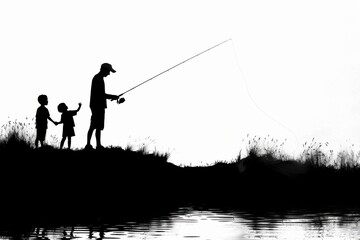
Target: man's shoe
(89,147)
(100,147)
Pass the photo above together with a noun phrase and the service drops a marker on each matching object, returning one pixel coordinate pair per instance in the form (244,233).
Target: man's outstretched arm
(111,97)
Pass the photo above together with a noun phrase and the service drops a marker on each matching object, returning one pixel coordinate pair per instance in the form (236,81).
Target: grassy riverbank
(102,182)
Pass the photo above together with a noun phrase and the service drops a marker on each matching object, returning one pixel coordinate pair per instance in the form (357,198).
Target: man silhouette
(98,99)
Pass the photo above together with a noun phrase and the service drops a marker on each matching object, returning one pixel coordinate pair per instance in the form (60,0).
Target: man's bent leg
(89,135)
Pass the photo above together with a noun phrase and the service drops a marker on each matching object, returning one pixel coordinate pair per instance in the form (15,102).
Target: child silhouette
(68,123)
(42,115)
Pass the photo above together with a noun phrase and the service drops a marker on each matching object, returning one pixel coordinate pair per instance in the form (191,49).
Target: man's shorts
(97,119)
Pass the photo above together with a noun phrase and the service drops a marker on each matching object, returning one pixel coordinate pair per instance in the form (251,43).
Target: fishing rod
(173,67)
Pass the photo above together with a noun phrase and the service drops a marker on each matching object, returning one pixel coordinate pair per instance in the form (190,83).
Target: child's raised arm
(79,107)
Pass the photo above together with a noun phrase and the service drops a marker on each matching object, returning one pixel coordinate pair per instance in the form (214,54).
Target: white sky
(292,71)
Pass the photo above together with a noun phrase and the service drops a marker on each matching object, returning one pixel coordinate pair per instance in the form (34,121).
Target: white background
(292,71)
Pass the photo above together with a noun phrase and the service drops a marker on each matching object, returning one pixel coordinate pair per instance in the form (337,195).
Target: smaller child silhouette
(68,123)
(42,115)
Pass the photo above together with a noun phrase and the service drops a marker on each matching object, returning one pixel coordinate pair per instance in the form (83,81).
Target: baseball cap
(107,66)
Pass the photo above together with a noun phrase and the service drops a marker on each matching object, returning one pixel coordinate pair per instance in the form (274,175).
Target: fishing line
(241,72)
(252,99)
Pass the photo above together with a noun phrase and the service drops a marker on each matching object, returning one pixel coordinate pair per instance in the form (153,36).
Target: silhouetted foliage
(113,179)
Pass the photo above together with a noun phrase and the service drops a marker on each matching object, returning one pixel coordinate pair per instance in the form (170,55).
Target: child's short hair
(62,107)
(42,99)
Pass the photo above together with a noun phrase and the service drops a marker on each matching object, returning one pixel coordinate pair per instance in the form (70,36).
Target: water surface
(207,224)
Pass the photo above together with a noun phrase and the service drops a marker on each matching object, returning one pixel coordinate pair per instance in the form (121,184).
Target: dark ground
(39,184)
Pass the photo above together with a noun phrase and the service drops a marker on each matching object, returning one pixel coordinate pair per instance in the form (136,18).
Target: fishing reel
(120,100)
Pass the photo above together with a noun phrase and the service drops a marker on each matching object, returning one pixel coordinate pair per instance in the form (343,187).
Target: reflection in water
(205,223)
